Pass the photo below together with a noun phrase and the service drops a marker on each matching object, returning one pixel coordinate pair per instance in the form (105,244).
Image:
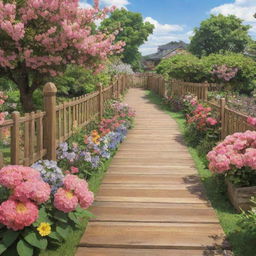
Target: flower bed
(42,204)
(235,157)
(202,127)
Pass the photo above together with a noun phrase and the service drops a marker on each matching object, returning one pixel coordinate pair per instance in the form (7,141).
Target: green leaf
(61,216)
(43,217)
(72,216)
(9,237)
(24,249)
(88,214)
(3,247)
(55,236)
(36,240)
(63,230)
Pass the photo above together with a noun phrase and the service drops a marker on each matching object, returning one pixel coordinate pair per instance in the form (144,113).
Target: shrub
(236,158)
(231,69)
(175,103)
(185,67)
(201,125)
(77,81)
(245,79)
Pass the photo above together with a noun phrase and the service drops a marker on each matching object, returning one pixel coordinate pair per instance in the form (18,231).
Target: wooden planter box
(240,197)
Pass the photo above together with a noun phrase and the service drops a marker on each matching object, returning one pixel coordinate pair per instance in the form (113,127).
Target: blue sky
(175,19)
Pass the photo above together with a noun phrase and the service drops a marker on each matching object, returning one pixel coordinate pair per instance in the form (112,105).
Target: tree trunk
(26,100)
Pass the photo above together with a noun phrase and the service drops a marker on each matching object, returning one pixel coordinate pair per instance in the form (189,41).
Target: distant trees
(133,31)
(220,34)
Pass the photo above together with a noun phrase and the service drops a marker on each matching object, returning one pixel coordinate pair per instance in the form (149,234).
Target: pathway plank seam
(151,201)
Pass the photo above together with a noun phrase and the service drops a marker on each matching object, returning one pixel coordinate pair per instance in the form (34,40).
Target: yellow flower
(44,229)
(96,139)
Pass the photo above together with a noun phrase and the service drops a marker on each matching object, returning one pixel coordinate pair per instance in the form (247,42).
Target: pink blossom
(17,215)
(65,200)
(13,175)
(38,191)
(74,170)
(211,121)
(71,182)
(235,152)
(251,121)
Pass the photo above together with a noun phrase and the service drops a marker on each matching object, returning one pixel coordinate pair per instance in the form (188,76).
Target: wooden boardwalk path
(151,202)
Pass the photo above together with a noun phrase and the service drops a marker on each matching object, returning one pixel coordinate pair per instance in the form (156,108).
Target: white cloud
(163,34)
(84,4)
(244,9)
(116,3)
(162,29)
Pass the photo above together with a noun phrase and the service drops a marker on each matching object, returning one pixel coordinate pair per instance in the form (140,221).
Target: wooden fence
(231,120)
(36,135)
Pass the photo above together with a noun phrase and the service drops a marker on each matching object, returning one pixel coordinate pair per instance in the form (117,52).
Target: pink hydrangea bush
(74,192)
(236,158)
(29,205)
(17,215)
(27,191)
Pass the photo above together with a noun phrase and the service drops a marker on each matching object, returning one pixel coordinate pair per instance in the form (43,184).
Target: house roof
(164,50)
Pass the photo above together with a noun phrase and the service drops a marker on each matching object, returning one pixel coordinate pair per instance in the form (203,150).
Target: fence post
(205,91)
(1,160)
(117,87)
(15,139)
(101,103)
(222,116)
(50,91)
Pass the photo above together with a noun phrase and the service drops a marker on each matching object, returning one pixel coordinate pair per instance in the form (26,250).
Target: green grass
(68,248)
(242,242)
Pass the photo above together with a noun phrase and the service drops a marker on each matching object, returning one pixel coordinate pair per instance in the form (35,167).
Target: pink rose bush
(203,129)
(236,158)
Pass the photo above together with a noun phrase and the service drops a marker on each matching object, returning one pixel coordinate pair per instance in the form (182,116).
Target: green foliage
(245,80)
(251,50)
(192,69)
(248,219)
(220,34)
(185,67)
(133,31)
(77,81)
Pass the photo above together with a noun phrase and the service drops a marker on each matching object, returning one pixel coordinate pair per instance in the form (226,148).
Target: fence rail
(36,135)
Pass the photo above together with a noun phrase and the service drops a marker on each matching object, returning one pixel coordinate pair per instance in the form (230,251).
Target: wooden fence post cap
(15,113)
(50,88)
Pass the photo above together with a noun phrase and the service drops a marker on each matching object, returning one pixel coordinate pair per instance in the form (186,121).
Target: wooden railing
(231,120)
(36,135)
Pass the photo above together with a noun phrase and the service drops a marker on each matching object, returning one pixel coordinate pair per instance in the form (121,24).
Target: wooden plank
(153,235)
(151,161)
(153,212)
(83,251)
(151,179)
(193,195)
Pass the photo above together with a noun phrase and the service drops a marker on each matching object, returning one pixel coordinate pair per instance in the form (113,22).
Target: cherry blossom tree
(38,38)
